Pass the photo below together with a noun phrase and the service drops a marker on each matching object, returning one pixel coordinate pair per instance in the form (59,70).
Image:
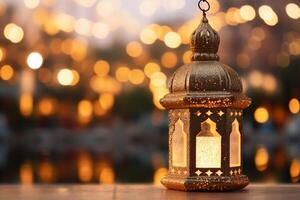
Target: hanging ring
(204,5)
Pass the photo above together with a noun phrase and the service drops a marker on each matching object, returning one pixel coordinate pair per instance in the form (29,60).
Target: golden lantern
(205,106)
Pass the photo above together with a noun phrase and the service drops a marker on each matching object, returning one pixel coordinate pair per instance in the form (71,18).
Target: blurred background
(80,83)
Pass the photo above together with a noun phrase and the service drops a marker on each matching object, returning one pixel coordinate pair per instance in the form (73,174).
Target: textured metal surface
(205,84)
(205,76)
(205,42)
(205,89)
(212,184)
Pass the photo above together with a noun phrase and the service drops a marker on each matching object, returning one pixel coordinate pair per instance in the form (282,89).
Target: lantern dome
(198,83)
(205,77)
(205,42)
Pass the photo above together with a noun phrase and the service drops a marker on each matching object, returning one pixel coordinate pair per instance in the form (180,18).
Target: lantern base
(206,184)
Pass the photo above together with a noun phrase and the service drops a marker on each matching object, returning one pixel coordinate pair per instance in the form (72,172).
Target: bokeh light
(106,101)
(85,111)
(268,15)
(293,10)
(136,76)
(101,68)
(158,175)
(172,40)
(187,56)
(46,172)
(261,115)
(26,173)
(261,159)
(150,68)
(83,26)
(233,16)
(107,176)
(31,3)
(247,12)
(158,79)
(122,74)
(63,22)
(76,78)
(6,72)
(148,36)
(84,162)
(34,60)
(47,106)
(256,79)
(13,33)
(65,77)
(294,106)
(98,110)
(26,104)
(169,59)
(134,49)
(295,170)
(100,30)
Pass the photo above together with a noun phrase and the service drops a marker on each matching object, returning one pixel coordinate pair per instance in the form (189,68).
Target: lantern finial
(205,40)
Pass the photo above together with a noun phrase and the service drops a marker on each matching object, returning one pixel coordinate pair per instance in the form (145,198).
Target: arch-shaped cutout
(179,145)
(208,146)
(235,145)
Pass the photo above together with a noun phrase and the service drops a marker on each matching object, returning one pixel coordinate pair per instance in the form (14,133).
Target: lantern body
(205,106)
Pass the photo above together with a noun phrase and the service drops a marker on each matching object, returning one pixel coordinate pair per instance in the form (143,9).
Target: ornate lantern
(205,106)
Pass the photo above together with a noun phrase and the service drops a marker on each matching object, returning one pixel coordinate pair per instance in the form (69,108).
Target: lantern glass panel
(179,145)
(208,146)
(235,145)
